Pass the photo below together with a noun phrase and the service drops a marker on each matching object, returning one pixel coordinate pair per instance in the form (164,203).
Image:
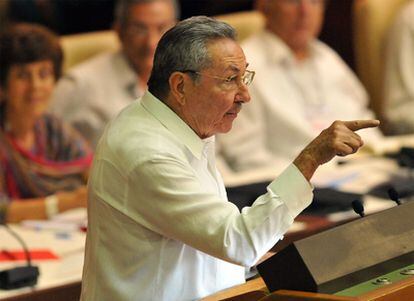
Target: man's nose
(35,81)
(243,94)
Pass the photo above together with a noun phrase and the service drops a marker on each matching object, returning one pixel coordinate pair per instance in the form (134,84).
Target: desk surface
(64,274)
(63,271)
(61,277)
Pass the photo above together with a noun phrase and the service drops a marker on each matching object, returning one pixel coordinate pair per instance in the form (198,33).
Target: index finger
(355,125)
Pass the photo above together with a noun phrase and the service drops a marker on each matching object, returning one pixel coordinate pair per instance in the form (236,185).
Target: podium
(372,251)
(368,259)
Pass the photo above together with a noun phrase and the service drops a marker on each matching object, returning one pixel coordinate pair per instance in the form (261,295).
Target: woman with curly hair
(43,162)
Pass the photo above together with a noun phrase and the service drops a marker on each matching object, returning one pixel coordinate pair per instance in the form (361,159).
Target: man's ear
(177,83)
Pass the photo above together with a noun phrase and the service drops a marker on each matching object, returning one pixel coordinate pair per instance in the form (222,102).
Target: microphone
(394,195)
(19,276)
(405,157)
(358,207)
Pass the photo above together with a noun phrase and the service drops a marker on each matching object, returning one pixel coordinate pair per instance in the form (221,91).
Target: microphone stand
(21,241)
(19,276)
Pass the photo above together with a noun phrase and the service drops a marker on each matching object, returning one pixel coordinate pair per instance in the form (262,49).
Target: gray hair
(122,8)
(184,48)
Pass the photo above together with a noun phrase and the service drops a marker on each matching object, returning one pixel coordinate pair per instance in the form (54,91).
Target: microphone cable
(17,277)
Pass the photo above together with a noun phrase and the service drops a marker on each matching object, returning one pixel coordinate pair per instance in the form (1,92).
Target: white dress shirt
(160,225)
(291,103)
(93,92)
(399,72)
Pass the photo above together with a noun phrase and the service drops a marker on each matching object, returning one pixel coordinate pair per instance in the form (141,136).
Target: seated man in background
(160,225)
(95,91)
(399,73)
(301,87)
(43,162)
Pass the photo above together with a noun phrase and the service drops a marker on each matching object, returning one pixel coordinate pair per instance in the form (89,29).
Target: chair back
(246,23)
(79,47)
(371,21)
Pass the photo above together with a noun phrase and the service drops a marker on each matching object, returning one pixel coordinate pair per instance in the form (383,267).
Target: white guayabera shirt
(160,225)
(93,92)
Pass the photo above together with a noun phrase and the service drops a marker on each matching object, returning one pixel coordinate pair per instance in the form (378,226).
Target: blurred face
(296,22)
(28,88)
(213,102)
(145,25)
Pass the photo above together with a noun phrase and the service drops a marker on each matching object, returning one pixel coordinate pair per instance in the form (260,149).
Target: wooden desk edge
(65,292)
(256,284)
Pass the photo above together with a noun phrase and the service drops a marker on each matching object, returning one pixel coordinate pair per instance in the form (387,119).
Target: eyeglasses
(245,79)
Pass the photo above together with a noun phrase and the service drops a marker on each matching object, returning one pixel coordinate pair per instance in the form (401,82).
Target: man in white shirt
(399,73)
(90,94)
(301,87)
(160,226)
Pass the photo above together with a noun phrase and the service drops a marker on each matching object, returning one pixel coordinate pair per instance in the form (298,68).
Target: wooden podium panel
(255,290)
(400,291)
(67,292)
(285,295)
(252,290)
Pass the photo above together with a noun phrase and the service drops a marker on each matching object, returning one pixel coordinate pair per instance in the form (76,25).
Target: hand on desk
(338,139)
(72,199)
(35,208)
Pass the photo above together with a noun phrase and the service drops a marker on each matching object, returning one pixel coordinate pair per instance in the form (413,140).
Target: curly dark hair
(23,43)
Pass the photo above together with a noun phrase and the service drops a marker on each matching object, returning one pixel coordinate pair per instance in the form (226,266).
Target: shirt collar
(278,51)
(174,124)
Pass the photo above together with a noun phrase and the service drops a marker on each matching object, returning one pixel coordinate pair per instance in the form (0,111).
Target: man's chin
(226,128)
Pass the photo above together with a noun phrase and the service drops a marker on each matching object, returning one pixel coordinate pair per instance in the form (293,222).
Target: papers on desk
(69,248)
(19,255)
(371,205)
(388,144)
(40,239)
(365,163)
(71,220)
(358,176)
(233,179)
